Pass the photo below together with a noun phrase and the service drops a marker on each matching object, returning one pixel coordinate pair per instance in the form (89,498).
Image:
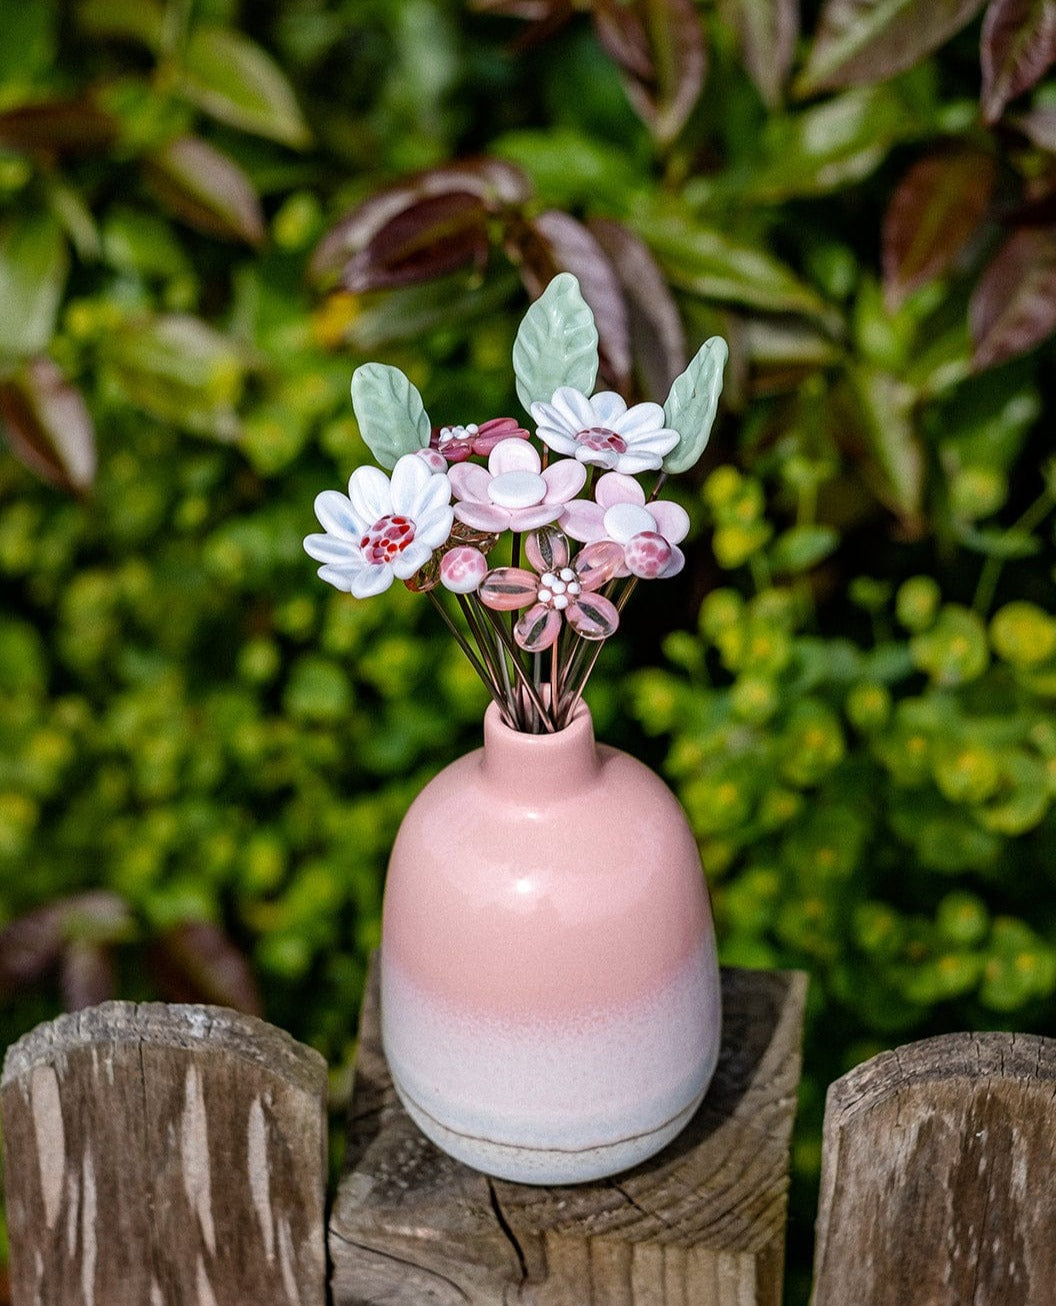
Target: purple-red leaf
(58,127)
(767,30)
(555,242)
(658,342)
(497,184)
(48,426)
(544,17)
(1018,46)
(197,962)
(87,975)
(659,46)
(870,40)
(32,944)
(1038,125)
(1013,307)
(207,190)
(428,238)
(934,211)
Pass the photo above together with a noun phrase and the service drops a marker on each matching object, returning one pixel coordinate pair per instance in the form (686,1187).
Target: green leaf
(392,418)
(692,402)
(896,467)
(708,262)
(767,31)
(235,81)
(802,547)
(34,261)
(871,40)
(556,345)
(138,20)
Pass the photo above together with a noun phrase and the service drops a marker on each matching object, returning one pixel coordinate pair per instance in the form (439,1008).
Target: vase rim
(561,762)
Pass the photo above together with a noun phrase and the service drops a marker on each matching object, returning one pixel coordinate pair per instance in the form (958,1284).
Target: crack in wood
(507,1229)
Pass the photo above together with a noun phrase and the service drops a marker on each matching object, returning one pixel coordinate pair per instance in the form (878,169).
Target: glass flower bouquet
(573,506)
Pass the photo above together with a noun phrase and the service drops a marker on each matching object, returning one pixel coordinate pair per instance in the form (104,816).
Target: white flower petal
(638,460)
(558,440)
(434,526)
(639,420)
(339,577)
(598,457)
(334,549)
(368,489)
(608,406)
(437,494)
(414,556)
(337,516)
(624,520)
(573,408)
(371,580)
(410,479)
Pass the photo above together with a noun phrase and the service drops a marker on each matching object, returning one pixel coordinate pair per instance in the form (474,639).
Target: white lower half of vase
(558,1098)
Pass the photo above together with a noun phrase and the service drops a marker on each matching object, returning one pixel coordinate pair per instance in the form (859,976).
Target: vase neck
(543,765)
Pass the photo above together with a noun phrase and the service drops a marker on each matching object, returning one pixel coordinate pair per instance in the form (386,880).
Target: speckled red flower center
(600,437)
(387,538)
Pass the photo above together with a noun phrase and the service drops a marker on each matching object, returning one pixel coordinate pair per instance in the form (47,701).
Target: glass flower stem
(522,676)
(658,486)
(495,661)
(464,645)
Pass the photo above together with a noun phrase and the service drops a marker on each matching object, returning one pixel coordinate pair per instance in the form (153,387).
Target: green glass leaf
(34,261)
(691,404)
(392,418)
(556,345)
(238,83)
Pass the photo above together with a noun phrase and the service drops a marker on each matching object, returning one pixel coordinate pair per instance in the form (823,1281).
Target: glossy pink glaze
(544,878)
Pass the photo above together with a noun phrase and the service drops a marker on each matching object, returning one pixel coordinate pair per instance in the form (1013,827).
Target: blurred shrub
(209,213)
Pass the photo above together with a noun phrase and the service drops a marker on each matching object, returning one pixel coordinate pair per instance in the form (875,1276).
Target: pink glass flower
(457,443)
(602,430)
(563,590)
(462,569)
(648,533)
(514,492)
(382,529)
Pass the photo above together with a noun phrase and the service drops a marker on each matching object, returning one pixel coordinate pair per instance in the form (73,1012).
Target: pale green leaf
(238,83)
(34,261)
(556,345)
(392,418)
(692,402)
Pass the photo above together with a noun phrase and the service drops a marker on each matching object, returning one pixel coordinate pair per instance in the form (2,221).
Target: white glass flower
(383,529)
(602,430)
(514,492)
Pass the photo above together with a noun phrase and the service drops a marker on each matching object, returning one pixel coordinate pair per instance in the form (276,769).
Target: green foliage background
(204,753)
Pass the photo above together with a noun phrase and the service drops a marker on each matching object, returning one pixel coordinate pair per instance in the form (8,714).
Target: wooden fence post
(702,1224)
(938,1176)
(161,1155)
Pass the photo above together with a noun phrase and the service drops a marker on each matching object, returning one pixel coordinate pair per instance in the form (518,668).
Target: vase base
(547,1165)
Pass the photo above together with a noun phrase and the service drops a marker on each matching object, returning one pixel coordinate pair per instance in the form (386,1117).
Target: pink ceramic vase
(550,989)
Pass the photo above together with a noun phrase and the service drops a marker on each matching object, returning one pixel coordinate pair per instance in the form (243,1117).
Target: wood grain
(702,1224)
(938,1175)
(161,1155)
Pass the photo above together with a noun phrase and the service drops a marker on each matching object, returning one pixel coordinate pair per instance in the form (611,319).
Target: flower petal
(508,588)
(564,480)
(530,519)
(413,557)
(434,526)
(614,487)
(371,580)
(573,409)
(498,428)
(597,563)
(537,629)
(483,516)
(640,420)
(639,460)
(547,549)
(672,520)
(337,516)
(625,520)
(513,456)
(607,458)
(410,479)
(339,577)
(608,407)
(582,521)
(674,564)
(470,481)
(592,616)
(371,496)
(333,548)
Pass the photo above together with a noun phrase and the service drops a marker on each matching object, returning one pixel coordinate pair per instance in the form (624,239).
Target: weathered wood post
(702,1224)
(938,1180)
(162,1155)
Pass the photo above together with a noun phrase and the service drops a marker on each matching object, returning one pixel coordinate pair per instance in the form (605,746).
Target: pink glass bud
(647,554)
(462,569)
(433,459)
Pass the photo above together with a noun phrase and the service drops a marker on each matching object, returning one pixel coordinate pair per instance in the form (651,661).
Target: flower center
(600,437)
(557,589)
(516,489)
(454,434)
(387,538)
